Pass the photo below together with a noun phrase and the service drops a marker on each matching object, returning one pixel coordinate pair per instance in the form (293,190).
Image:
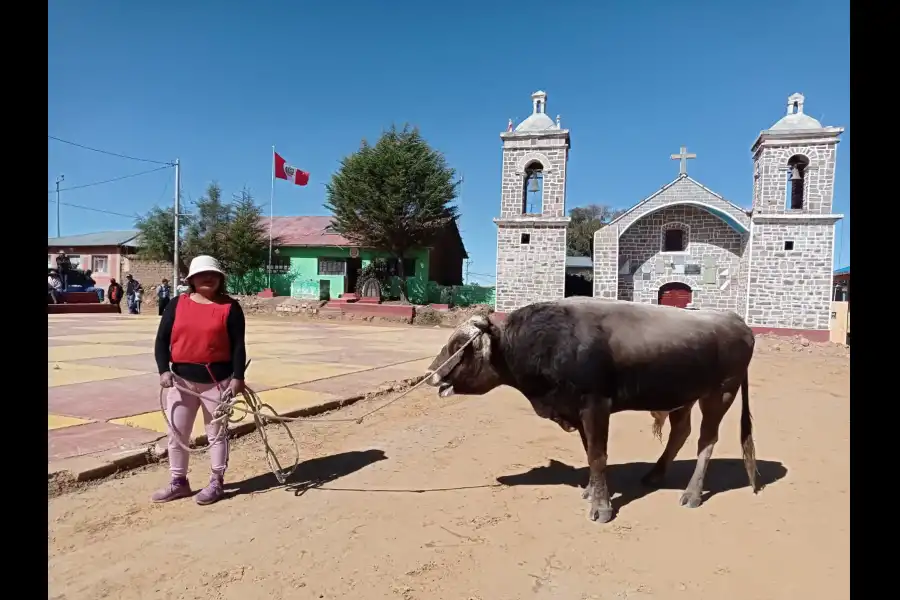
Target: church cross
(683,156)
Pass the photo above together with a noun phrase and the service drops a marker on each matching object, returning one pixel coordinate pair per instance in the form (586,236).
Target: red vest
(199,334)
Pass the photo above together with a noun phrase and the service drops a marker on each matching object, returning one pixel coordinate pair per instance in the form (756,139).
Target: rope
(249,403)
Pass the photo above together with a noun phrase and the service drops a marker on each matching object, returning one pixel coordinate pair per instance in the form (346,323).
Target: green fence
(258,280)
(419,291)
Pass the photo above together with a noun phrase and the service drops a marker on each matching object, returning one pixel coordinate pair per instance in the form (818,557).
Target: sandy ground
(476,498)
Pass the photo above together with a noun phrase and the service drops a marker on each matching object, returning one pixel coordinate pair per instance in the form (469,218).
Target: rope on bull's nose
(249,403)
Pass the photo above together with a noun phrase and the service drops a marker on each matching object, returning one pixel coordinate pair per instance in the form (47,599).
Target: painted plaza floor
(103,389)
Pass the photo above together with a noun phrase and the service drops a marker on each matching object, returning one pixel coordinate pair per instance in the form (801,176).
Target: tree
(157,235)
(206,233)
(246,244)
(393,196)
(586,220)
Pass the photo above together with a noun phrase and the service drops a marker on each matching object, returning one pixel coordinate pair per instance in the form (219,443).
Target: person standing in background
(138,297)
(114,293)
(163,295)
(131,288)
(63,265)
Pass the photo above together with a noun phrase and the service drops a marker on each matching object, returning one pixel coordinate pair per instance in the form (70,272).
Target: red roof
(307,231)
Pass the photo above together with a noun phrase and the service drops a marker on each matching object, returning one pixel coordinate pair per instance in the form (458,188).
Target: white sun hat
(204,264)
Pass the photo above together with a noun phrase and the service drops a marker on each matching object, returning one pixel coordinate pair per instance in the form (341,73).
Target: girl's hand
(236,386)
(167,379)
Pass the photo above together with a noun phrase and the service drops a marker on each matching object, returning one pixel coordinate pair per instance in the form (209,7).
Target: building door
(353,267)
(675,294)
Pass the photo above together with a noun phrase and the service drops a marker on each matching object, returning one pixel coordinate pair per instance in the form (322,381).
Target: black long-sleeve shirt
(235,325)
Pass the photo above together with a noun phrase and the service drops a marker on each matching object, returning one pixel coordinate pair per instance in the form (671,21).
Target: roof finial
(557,122)
(509,126)
(539,100)
(795,104)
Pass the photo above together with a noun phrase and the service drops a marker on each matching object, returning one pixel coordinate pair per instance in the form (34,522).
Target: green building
(317,259)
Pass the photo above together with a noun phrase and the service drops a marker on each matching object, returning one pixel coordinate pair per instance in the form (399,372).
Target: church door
(675,294)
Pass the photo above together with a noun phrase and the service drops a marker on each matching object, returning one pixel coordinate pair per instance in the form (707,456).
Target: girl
(199,347)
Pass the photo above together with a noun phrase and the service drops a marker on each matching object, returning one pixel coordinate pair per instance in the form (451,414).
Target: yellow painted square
(60,421)
(274,373)
(255,351)
(108,338)
(61,353)
(273,338)
(63,373)
(154,421)
(284,400)
(365,329)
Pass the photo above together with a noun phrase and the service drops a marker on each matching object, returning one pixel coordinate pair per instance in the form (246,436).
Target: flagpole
(271,218)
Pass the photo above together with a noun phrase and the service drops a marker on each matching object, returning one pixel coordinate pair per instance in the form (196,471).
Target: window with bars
(332,266)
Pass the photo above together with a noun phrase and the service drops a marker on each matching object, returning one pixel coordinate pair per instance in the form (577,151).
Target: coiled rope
(249,403)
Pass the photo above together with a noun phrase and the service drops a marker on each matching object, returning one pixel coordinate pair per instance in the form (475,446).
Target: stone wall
(548,148)
(531,272)
(771,173)
(149,272)
(711,245)
(791,289)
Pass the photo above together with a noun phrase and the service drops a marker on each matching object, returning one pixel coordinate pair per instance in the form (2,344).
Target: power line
(107,152)
(78,187)
(99,210)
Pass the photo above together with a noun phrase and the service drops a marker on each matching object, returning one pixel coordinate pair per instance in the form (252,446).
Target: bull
(579,360)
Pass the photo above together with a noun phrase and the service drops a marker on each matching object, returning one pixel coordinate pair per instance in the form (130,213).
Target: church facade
(684,245)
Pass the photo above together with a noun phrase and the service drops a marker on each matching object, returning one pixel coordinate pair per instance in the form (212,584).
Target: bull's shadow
(624,480)
(311,473)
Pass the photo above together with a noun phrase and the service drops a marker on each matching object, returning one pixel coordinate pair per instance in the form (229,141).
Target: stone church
(684,245)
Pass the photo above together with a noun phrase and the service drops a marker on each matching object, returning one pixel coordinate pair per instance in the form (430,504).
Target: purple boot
(177,488)
(213,492)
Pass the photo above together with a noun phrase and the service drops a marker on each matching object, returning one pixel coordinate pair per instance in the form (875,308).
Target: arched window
(533,191)
(796,181)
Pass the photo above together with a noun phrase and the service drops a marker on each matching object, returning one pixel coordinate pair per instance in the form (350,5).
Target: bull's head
(465,363)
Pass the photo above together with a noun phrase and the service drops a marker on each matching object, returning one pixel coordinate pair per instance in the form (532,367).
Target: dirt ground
(477,498)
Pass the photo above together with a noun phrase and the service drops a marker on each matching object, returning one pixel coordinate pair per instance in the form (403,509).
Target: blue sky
(216,84)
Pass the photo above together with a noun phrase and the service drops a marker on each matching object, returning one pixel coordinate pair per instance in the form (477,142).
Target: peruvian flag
(286,171)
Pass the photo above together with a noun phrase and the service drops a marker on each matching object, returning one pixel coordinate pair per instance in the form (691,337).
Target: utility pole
(468,265)
(175,270)
(58,180)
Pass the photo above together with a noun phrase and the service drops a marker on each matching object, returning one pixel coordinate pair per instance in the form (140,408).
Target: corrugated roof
(99,238)
(842,271)
(316,232)
(307,231)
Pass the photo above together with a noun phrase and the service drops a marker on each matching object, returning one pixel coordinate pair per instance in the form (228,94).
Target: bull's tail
(747,447)
(659,418)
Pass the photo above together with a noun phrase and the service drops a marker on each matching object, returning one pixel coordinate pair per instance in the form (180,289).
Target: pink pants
(181,410)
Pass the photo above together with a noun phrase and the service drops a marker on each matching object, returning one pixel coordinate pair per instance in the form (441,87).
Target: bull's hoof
(690,500)
(654,478)
(601,515)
